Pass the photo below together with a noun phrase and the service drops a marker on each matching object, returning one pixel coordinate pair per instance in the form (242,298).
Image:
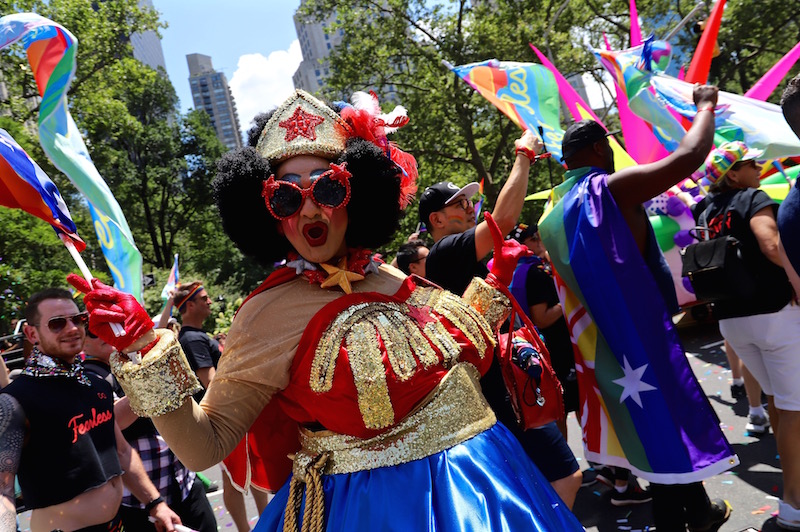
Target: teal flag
(51,50)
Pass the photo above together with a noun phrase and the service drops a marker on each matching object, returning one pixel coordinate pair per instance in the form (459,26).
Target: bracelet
(152,504)
(705,109)
(530,154)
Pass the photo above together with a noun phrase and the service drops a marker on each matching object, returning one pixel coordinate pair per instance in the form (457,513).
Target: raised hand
(107,305)
(705,96)
(506,254)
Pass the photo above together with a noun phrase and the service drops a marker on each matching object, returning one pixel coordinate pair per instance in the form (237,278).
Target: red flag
(701,60)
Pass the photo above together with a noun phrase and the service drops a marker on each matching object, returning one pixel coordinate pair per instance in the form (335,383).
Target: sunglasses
(57,324)
(463,203)
(331,190)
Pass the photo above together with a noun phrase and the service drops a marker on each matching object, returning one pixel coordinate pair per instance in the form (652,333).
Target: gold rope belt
(452,413)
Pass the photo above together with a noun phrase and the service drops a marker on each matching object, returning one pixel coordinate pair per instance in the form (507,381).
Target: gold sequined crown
(302,125)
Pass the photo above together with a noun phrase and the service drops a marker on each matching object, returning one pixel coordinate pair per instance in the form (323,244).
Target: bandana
(44,366)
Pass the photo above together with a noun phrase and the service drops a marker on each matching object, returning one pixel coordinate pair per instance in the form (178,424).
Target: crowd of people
(372,376)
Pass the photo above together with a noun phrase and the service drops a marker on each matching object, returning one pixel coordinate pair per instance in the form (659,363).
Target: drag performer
(380,370)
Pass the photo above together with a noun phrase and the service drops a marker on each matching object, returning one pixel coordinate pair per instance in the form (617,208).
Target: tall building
(315,45)
(147,45)
(211,93)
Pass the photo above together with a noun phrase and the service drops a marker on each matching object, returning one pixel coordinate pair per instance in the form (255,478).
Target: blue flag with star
(641,406)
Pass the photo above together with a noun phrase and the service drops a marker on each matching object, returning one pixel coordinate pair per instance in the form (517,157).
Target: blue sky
(252,41)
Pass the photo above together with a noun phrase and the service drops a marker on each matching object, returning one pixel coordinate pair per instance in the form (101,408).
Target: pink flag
(764,87)
(579,110)
(636,32)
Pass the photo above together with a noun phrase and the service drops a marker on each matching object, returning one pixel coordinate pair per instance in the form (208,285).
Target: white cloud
(261,83)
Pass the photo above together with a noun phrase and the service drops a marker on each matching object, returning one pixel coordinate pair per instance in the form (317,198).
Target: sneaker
(634,494)
(589,477)
(758,424)
(211,487)
(788,517)
(605,475)
(738,391)
(720,513)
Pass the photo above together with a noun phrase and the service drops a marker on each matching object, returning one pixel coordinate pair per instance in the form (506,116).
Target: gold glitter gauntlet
(490,302)
(162,381)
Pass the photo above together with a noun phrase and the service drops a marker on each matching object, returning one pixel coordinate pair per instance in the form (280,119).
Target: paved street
(752,488)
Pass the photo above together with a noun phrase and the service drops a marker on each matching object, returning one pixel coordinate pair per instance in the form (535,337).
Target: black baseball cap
(437,197)
(579,135)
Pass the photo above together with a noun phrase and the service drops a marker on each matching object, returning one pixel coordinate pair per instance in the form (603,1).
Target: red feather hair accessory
(368,122)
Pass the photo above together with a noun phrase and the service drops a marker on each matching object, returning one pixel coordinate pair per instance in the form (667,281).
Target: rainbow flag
(636,386)
(23,185)
(527,93)
(51,50)
(660,100)
(173,279)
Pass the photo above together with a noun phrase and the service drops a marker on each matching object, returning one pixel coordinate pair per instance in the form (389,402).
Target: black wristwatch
(152,504)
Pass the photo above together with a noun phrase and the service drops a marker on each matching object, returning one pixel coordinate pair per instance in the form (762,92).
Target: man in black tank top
(58,434)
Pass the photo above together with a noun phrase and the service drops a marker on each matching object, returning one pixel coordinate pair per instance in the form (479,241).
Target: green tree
(396,47)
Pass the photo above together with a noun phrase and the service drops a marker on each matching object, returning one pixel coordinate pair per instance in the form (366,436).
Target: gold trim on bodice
(452,413)
(408,334)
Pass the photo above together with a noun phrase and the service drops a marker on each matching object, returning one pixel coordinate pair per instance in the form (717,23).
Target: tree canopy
(160,163)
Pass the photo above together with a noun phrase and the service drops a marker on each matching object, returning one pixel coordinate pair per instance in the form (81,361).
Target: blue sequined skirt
(485,483)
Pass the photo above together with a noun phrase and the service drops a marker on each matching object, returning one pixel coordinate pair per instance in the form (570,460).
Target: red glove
(109,305)
(506,255)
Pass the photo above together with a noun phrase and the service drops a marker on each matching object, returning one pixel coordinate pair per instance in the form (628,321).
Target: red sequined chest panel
(366,360)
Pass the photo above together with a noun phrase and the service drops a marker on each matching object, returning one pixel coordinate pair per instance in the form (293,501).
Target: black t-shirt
(201,351)
(70,446)
(729,213)
(143,426)
(452,262)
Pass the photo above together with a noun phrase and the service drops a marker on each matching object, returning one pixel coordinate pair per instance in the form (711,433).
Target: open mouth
(316,234)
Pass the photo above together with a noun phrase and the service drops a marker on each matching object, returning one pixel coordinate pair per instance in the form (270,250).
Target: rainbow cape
(51,50)
(641,405)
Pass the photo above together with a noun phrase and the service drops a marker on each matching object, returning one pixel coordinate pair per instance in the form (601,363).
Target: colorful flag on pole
(173,279)
(51,50)
(580,110)
(525,92)
(760,125)
(636,385)
(479,203)
(23,185)
(640,142)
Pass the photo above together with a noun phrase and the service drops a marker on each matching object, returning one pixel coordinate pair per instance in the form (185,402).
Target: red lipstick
(316,234)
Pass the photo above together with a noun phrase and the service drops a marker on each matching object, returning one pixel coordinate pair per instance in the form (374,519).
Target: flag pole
(77,257)
(115,327)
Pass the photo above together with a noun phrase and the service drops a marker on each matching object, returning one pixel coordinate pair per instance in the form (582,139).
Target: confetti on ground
(773,498)
(727,482)
(622,520)
(761,510)
(596,493)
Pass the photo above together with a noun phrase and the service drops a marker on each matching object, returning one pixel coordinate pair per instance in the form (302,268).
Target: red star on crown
(301,124)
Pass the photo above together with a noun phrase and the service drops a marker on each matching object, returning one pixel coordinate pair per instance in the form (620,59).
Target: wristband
(530,154)
(152,504)
(705,109)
